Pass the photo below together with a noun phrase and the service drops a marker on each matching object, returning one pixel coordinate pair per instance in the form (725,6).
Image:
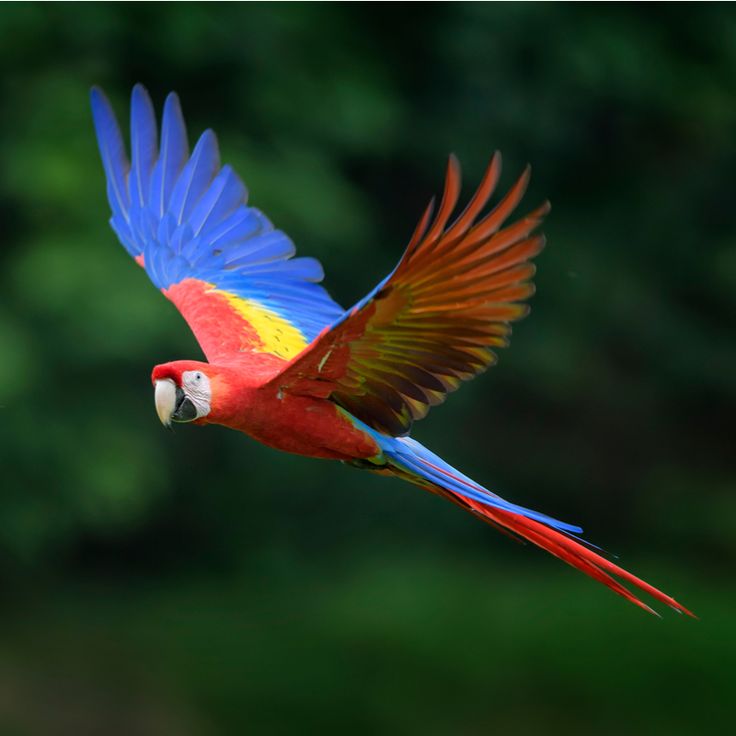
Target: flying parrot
(290,367)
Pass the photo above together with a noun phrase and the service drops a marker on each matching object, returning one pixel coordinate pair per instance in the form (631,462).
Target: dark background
(197,583)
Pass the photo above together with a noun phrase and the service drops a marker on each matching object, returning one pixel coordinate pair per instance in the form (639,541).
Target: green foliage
(194,574)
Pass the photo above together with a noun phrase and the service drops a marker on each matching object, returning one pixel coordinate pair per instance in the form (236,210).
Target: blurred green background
(197,583)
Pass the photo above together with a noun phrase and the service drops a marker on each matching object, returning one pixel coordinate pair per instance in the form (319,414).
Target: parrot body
(299,424)
(286,364)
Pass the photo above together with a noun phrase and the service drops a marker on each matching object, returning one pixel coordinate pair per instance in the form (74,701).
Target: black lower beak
(184,409)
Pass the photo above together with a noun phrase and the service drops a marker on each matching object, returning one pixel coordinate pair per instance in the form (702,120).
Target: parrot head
(182,391)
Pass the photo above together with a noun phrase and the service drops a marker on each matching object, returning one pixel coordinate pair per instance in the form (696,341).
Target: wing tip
(99,103)
(173,99)
(140,96)
(172,109)
(453,165)
(209,139)
(525,178)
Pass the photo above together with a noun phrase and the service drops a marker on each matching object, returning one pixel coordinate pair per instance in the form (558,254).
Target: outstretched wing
(186,221)
(435,320)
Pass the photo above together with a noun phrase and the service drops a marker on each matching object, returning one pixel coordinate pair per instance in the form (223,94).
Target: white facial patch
(196,386)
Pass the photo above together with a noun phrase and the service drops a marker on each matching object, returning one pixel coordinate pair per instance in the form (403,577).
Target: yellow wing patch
(278,336)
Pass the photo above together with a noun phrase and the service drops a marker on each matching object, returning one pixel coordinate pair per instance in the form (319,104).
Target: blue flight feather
(143,144)
(172,157)
(244,223)
(196,177)
(116,165)
(220,201)
(190,219)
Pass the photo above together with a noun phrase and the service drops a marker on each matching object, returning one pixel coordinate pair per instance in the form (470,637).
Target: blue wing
(186,220)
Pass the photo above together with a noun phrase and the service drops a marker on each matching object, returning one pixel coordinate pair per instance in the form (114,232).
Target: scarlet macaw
(290,367)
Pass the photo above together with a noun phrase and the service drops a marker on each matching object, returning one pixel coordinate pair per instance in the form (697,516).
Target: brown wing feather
(435,321)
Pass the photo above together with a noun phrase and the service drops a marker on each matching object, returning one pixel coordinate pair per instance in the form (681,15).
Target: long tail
(413,462)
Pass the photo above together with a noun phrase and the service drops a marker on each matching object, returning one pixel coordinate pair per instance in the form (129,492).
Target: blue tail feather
(410,455)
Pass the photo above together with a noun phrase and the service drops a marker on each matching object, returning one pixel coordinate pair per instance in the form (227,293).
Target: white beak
(165,396)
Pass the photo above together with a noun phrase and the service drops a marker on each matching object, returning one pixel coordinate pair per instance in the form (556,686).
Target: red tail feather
(516,525)
(575,554)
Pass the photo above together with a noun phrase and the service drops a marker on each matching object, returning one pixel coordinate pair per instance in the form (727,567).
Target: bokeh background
(197,583)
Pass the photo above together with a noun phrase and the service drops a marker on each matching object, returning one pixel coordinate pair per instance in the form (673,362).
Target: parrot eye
(196,386)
